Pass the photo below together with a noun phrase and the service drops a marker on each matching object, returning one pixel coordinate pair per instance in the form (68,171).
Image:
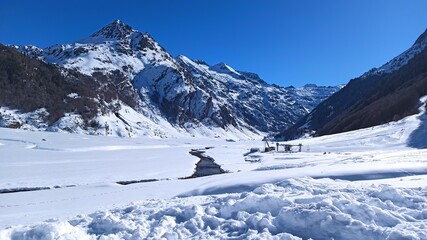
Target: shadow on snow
(418,138)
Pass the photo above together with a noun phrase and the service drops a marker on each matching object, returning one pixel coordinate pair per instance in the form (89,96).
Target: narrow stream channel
(206,166)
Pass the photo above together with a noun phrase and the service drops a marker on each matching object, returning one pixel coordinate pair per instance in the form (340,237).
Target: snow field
(270,198)
(290,209)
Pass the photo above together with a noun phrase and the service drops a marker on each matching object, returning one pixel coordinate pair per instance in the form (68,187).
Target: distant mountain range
(381,95)
(119,81)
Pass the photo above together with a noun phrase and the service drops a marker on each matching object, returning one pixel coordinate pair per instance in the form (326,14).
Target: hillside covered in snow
(382,95)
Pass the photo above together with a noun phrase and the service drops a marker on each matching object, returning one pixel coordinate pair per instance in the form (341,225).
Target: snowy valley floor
(366,184)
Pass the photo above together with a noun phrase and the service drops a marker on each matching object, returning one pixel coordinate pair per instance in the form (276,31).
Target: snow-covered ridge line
(401,60)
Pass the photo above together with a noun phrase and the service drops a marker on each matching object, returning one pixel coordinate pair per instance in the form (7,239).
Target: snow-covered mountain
(191,96)
(251,100)
(381,95)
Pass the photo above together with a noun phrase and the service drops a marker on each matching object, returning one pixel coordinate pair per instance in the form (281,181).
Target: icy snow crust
(365,184)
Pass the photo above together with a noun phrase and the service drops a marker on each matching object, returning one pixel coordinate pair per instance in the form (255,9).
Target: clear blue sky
(287,42)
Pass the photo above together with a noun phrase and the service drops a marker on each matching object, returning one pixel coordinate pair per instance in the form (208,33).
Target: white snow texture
(291,209)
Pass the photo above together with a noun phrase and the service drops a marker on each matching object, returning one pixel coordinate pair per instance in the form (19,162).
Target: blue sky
(287,42)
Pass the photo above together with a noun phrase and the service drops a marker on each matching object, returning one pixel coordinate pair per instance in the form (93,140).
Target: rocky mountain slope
(39,96)
(260,105)
(186,95)
(381,95)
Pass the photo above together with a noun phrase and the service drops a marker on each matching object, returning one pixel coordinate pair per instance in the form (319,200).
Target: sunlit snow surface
(366,184)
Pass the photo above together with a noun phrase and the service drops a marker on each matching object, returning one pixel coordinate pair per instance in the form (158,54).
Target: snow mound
(290,209)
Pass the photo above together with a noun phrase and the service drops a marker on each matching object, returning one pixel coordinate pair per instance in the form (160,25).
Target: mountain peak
(115,30)
(422,39)
(222,68)
(310,85)
(222,65)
